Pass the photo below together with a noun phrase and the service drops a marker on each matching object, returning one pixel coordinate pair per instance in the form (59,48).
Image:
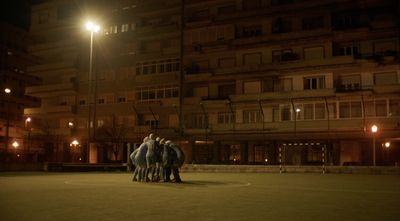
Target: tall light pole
(93,28)
(8,94)
(28,127)
(374,129)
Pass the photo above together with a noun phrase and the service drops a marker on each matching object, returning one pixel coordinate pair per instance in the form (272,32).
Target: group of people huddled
(157,158)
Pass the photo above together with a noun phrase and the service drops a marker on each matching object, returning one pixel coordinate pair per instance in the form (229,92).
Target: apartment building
(13,77)
(297,82)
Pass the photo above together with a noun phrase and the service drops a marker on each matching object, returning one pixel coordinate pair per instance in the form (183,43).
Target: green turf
(202,196)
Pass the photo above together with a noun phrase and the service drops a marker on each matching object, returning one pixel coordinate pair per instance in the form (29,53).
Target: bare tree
(112,134)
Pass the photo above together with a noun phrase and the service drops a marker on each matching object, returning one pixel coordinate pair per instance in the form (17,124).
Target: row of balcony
(339,127)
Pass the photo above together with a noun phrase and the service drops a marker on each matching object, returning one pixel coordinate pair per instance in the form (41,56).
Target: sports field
(202,196)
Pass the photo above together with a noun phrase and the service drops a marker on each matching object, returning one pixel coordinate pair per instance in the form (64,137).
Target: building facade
(298,82)
(13,62)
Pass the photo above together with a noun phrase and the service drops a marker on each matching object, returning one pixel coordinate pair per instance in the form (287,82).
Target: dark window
(251,4)
(67,11)
(251,31)
(313,23)
(280,25)
(281,2)
(225,90)
(226,9)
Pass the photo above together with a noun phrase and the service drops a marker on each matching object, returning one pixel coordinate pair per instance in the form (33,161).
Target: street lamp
(28,127)
(15,144)
(8,94)
(93,28)
(374,129)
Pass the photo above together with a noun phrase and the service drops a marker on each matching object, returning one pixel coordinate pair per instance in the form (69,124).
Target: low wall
(83,167)
(21,167)
(289,169)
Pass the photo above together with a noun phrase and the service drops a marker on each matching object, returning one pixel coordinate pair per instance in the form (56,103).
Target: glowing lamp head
(74,143)
(28,119)
(387,144)
(7,90)
(92,26)
(298,110)
(15,144)
(374,129)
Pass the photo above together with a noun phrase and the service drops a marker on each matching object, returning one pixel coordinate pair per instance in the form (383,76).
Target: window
(394,108)
(319,111)
(312,23)
(369,108)
(342,21)
(287,84)
(344,110)
(332,110)
(381,108)
(158,66)
(286,112)
(225,90)
(226,9)
(251,31)
(311,83)
(124,27)
(280,55)
(271,85)
(196,121)
(121,99)
(252,59)
(100,123)
(314,53)
(101,101)
(281,2)
(386,78)
(351,109)
(252,4)
(308,111)
(82,102)
(356,109)
(156,93)
(281,25)
(349,50)
(252,116)
(66,11)
(227,62)
(350,82)
(252,87)
(226,118)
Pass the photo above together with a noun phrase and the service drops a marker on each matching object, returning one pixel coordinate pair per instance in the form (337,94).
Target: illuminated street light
(74,143)
(387,144)
(8,93)
(15,144)
(92,27)
(298,110)
(374,130)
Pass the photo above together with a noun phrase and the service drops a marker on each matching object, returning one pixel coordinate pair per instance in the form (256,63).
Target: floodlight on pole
(93,28)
